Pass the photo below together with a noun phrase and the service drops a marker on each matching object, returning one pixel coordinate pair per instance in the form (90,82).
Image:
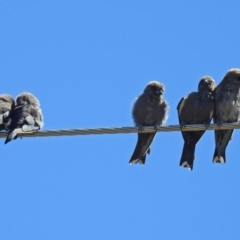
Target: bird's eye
(159,91)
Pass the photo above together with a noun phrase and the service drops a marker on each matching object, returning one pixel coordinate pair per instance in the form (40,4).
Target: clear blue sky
(87,61)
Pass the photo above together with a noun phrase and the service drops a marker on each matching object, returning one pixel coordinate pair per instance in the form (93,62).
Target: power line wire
(117,130)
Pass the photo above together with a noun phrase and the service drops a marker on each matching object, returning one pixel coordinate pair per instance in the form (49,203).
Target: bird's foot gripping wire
(156,126)
(140,128)
(219,124)
(206,125)
(182,125)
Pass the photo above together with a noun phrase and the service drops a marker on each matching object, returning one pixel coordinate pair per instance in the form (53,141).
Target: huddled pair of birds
(222,103)
(21,115)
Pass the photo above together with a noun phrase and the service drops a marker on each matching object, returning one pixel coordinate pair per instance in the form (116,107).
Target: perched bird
(196,108)
(25,117)
(7,103)
(150,109)
(227,110)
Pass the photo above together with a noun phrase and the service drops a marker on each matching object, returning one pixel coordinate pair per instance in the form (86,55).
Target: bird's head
(206,84)
(233,76)
(7,99)
(154,89)
(27,98)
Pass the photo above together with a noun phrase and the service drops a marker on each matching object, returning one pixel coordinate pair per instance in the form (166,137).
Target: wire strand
(116,130)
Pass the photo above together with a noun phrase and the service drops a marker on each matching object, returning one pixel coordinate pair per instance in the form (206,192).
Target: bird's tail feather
(187,157)
(219,153)
(11,135)
(142,147)
(143,159)
(219,156)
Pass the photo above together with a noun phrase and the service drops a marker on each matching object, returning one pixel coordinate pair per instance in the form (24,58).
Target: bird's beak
(159,92)
(206,82)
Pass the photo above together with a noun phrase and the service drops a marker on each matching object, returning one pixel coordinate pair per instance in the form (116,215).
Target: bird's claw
(182,125)
(156,126)
(140,128)
(206,125)
(219,124)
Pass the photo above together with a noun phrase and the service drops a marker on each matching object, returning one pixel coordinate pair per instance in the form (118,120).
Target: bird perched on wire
(227,110)
(195,108)
(25,117)
(7,103)
(149,109)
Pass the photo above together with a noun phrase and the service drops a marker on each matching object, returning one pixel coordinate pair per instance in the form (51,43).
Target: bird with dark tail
(149,109)
(25,117)
(227,110)
(195,108)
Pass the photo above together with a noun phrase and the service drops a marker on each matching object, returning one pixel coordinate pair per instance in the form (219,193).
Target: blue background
(87,61)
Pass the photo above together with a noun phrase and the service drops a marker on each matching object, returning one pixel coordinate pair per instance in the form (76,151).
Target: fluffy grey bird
(7,103)
(25,117)
(227,110)
(150,109)
(196,108)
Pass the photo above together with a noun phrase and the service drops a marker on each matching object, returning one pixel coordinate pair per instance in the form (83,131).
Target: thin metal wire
(116,130)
